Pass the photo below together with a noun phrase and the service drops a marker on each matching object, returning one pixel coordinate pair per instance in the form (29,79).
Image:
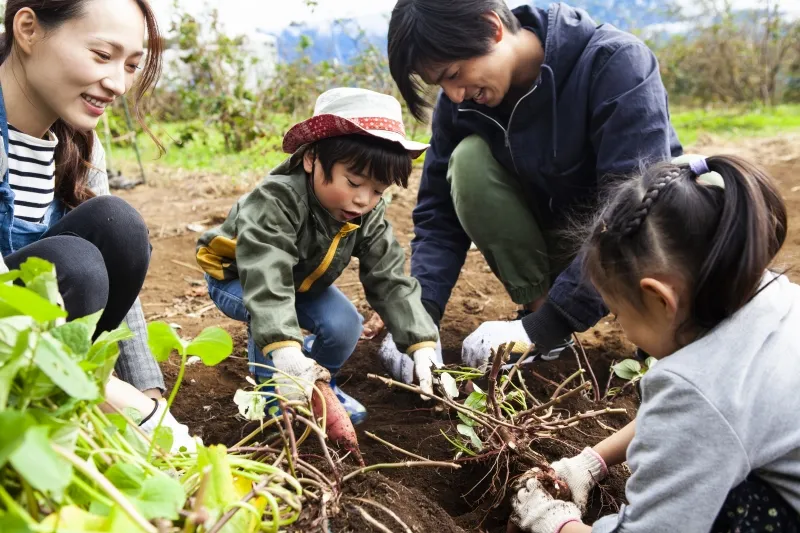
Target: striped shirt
(31,173)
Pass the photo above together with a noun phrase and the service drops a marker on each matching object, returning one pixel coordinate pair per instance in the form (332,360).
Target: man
(539,109)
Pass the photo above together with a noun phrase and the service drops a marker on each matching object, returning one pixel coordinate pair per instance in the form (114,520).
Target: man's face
(484,79)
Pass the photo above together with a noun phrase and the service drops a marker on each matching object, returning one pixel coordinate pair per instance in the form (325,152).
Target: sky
(246,16)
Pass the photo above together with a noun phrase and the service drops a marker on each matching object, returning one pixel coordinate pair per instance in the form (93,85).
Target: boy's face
(347,196)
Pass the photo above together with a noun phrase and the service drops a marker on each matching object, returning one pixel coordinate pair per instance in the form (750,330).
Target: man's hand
(581,473)
(535,511)
(477,347)
(403,368)
(298,373)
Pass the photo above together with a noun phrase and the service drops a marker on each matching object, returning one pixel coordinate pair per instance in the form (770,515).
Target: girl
(63,63)
(682,263)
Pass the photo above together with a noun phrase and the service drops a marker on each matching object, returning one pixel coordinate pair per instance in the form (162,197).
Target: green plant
(66,465)
(631,371)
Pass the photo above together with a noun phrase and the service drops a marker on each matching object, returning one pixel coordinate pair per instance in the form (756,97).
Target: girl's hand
(535,511)
(581,473)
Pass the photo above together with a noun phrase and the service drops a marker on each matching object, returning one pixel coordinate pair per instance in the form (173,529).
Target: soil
(176,206)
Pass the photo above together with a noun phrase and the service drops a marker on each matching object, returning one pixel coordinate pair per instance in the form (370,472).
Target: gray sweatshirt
(713,412)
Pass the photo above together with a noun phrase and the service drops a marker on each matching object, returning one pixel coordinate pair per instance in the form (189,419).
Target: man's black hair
(432,33)
(384,161)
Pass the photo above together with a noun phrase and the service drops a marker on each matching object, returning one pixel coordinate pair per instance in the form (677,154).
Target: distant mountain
(342,40)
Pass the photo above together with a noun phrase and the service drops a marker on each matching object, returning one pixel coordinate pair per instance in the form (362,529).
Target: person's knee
(82,276)
(126,230)
(467,169)
(342,329)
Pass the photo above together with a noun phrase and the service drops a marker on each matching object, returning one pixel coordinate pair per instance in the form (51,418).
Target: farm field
(178,203)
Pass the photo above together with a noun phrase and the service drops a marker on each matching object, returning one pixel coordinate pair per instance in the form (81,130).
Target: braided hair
(718,239)
(634,223)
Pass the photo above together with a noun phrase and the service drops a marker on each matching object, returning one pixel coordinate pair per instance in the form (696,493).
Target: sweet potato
(338,427)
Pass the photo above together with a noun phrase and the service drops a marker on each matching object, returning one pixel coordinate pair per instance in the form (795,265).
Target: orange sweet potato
(338,427)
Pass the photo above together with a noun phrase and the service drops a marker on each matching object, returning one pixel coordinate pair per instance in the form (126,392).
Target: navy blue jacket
(598,110)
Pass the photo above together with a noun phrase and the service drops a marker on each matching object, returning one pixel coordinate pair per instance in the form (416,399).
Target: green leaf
(76,335)
(13,275)
(27,302)
(627,369)
(469,431)
(11,523)
(10,330)
(39,276)
(213,346)
(13,425)
(477,401)
(160,497)
(37,463)
(126,477)
(90,321)
(104,352)
(650,362)
(52,359)
(163,438)
(9,371)
(162,340)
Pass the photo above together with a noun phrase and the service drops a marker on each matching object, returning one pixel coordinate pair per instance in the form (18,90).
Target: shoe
(308,343)
(354,408)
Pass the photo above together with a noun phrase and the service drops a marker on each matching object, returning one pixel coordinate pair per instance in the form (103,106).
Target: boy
(273,262)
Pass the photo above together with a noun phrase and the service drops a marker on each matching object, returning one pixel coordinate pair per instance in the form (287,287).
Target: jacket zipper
(328,259)
(510,119)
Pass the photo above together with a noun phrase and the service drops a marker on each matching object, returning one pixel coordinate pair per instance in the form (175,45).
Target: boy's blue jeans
(329,315)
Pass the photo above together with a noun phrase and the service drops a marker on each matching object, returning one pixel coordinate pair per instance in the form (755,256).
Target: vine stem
(407,464)
(107,486)
(481,418)
(394,447)
(171,399)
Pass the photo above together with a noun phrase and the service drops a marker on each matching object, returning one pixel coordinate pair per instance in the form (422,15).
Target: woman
(63,63)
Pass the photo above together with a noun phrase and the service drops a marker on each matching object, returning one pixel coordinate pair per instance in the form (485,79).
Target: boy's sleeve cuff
(414,347)
(282,344)
(547,327)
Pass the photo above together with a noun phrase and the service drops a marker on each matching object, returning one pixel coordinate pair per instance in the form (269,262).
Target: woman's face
(76,70)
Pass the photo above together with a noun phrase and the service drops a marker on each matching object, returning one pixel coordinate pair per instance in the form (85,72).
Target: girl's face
(653,324)
(347,196)
(76,70)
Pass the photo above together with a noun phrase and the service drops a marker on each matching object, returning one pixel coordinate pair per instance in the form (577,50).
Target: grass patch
(207,153)
(735,122)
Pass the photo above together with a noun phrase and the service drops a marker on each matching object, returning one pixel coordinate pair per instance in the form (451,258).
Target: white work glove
(296,383)
(535,511)
(581,473)
(403,368)
(181,440)
(477,347)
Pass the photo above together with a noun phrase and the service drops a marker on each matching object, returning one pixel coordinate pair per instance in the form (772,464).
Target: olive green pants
(493,210)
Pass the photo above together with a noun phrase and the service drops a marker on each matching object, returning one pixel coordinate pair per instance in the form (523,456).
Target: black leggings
(755,507)
(101,250)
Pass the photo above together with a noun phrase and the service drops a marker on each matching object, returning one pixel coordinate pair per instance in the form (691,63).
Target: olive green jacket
(278,240)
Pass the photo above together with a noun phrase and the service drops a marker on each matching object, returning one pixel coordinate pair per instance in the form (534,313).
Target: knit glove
(535,511)
(403,368)
(182,441)
(298,373)
(581,473)
(477,347)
